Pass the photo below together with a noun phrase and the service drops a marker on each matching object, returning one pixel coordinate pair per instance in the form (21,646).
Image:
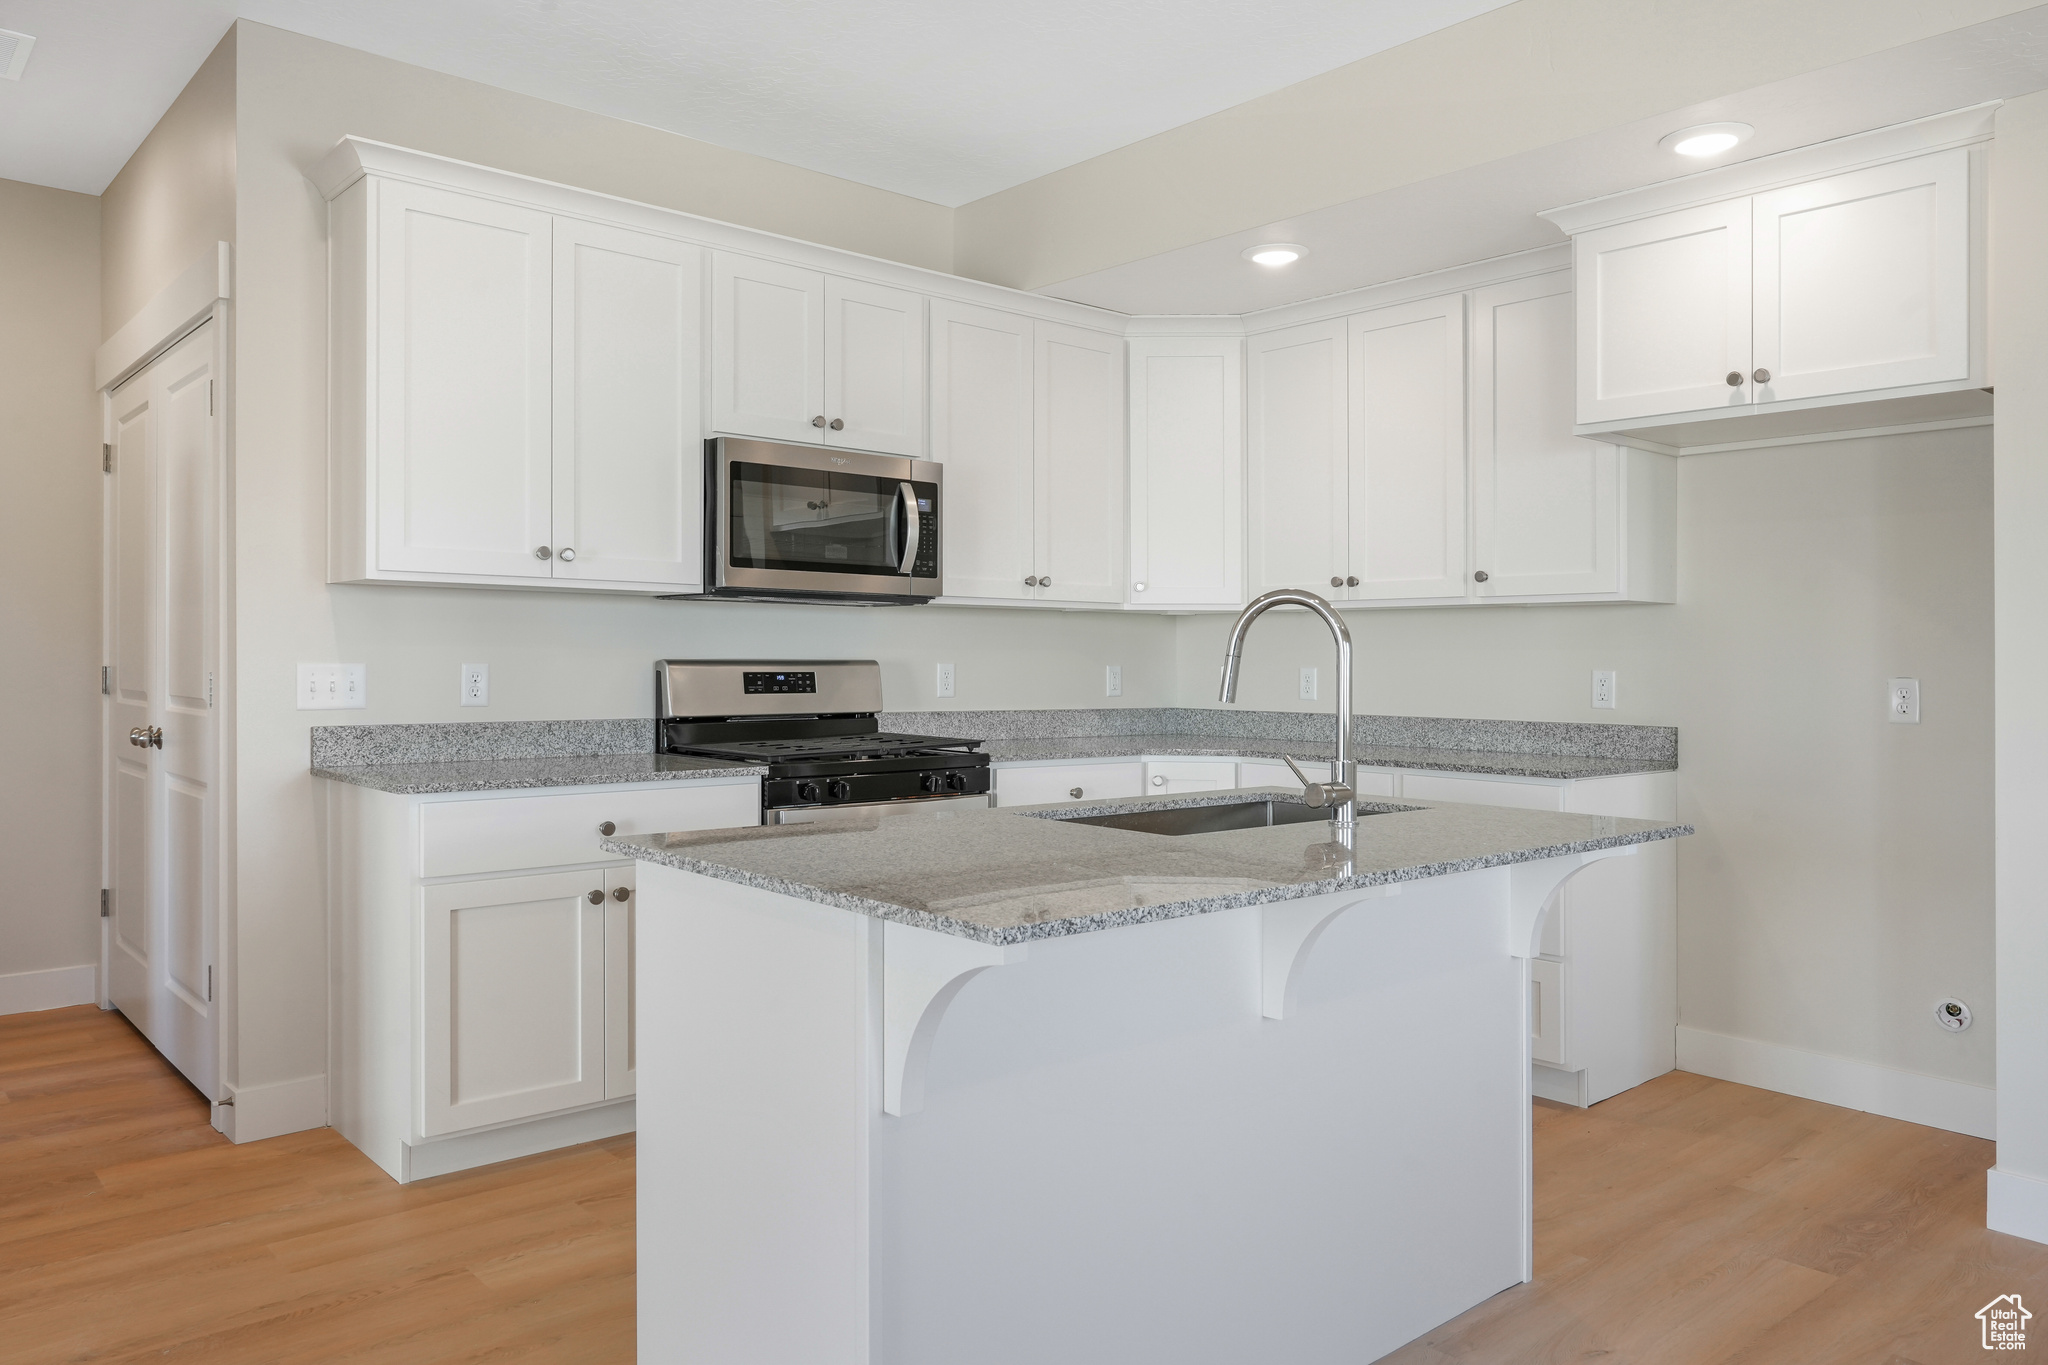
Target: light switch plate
(332,687)
(1603,689)
(1113,680)
(1902,701)
(945,680)
(476,684)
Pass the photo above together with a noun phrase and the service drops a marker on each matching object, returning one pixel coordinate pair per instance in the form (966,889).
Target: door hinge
(209,690)
(209,398)
(106,457)
(106,903)
(209,985)
(106,680)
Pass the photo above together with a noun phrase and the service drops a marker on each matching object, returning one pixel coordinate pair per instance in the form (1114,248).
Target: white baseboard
(1566,1087)
(463,1151)
(2016,1204)
(268,1111)
(1958,1106)
(53,988)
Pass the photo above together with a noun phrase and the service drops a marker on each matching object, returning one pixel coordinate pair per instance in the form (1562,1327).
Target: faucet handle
(1320,793)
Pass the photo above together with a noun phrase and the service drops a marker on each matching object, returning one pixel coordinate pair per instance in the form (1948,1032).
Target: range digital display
(760,683)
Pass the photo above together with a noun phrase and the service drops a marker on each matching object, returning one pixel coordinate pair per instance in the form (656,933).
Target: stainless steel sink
(1210,819)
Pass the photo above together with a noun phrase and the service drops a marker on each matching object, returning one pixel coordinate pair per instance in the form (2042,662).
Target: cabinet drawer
(1094,782)
(1481,791)
(461,837)
(1190,775)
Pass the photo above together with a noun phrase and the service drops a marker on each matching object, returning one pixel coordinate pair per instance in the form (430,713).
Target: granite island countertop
(1020,874)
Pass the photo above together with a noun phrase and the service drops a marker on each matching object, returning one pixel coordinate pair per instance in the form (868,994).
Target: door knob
(818,421)
(1734,379)
(543,553)
(135,738)
(607,829)
(156,736)
(566,555)
(596,898)
(836,424)
(621,893)
(1762,376)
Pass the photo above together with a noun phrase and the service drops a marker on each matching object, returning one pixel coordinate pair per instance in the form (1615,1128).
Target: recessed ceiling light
(1706,139)
(14,50)
(1276,253)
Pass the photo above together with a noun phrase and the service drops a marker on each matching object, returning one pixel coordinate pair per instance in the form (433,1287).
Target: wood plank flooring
(1688,1222)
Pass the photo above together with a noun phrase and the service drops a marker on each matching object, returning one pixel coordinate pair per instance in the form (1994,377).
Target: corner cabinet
(1187,472)
(516,395)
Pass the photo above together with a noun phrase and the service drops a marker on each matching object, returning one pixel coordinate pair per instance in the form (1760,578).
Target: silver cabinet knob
(1734,379)
(1074,792)
(1352,581)
(1031,582)
(622,893)
(543,553)
(1762,376)
(1480,577)
(1137,587)
(818,421)
(1045,580)
(607,829)
(1335,581)
(595,897)
(836,424)
(566,554)
(1159,781)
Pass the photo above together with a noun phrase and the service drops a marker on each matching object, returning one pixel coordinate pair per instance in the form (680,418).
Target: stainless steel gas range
(813,724)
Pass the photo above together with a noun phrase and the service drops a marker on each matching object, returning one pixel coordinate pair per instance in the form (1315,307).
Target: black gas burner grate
(835,746)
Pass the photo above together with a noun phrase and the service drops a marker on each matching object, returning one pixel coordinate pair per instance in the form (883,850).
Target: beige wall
(176,196)
(551,655)
(1524,76)
(50,566)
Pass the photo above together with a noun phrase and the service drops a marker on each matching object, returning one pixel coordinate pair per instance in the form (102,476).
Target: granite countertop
(512,774)
(1011,876)
(1367,756)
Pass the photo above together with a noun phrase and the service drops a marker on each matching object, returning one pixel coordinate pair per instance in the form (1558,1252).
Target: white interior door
(1187,471)
(767,349)
(1407,436)
(620,925)
(628,451)
(163,637)
(981,433)
(463,353)
(1299,478)
(1863,280)
(1078,426)
(874,368)
(1546,513)
(1664,313)
(512,974)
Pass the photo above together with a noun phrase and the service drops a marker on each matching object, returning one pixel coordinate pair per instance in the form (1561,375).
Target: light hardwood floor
(1688,1222)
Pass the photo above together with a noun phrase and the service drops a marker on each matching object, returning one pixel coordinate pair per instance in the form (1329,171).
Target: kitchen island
(924,1087)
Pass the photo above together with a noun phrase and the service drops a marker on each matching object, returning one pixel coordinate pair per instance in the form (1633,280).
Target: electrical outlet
(1113,680)
(1902,701)
(332,687)
(476,684)
(1603,689)
(945,684)
(1308,684)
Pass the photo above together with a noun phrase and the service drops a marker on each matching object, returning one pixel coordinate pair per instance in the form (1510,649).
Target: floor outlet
(1603,689)
(1308,684)
(476,684)
(1902,701)
(1113,680)
(945,687)
(332,687)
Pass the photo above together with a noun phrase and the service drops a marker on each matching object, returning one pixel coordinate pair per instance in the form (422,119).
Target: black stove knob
(955,782)
(838,790)
(931,782)
(807,791)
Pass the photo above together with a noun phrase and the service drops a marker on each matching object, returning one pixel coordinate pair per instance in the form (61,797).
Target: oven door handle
(906,502)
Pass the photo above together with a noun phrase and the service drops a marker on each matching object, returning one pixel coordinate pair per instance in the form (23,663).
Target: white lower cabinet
(1169,777)
(481,965)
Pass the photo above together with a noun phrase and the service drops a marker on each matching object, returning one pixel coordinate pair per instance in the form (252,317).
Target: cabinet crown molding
(1938,132)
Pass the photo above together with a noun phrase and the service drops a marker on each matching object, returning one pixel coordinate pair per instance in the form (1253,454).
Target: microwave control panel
(926,565)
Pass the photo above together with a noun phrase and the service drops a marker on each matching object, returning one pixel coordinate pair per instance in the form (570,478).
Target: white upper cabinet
(1298,381)
(1663,313)
(460,413)
(981,399)
(1863,280)
(628,322)
(1546,510)
(1187,471)
(1407,452)
(798,355)
(1078,455)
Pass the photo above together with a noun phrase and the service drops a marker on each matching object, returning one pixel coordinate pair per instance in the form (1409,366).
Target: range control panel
(759,683)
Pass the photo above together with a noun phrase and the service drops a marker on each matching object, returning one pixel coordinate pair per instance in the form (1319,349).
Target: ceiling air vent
(14,50)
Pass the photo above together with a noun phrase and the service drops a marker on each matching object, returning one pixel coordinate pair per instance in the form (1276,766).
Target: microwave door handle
(906,503)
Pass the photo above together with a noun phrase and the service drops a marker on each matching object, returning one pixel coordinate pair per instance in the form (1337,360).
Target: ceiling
(1490,210)
(944,100)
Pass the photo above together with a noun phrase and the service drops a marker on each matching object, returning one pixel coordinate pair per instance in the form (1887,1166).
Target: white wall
(50,569)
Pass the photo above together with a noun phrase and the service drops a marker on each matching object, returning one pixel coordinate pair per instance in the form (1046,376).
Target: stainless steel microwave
(810,524)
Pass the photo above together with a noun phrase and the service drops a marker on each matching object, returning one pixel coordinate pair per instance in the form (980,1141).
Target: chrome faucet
(1342,790)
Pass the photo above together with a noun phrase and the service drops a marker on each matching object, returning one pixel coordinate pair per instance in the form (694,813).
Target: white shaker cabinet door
(874,369)
(981,433)
(1546,513)
(1664,314)
(1407,452)
(1863,280)
(1078,439)
(1187,471)
(1299,483)
(512,982)
(628,490)
(462,386)
(767,349)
